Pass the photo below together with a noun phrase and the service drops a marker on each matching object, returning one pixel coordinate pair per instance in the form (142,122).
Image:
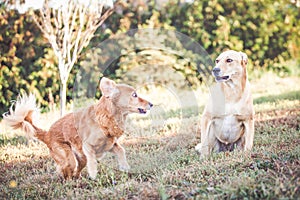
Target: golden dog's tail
(23,114)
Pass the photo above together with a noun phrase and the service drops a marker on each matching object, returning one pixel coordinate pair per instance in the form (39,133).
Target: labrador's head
(229,65)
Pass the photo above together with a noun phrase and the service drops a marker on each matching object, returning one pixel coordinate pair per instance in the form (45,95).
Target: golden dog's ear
(108,87)
(244,58)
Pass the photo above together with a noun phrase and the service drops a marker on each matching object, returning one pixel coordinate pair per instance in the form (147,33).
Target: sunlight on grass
(160,151)
(270,84)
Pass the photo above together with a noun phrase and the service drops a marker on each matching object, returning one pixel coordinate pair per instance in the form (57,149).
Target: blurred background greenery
(267,31)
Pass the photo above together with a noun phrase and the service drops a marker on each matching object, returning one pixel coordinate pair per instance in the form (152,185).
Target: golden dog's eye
(134,95)
(217,61)
(229,60)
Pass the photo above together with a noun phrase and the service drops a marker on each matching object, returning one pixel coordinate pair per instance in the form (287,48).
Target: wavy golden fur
(81,138)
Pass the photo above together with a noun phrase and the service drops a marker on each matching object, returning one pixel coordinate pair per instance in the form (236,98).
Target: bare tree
(69,25)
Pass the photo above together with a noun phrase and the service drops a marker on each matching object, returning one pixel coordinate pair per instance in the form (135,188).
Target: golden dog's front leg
(120,152)
(91,161)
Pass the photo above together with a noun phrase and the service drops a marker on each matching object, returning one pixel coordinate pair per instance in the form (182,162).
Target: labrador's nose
(216,71)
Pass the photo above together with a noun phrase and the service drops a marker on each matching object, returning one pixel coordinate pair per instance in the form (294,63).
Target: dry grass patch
(164,164)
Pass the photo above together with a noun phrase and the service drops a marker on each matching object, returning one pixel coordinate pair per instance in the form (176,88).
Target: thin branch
(66,17)
(66,38)
(104,17)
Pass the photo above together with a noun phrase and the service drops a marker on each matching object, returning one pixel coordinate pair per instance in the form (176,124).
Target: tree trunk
(63,97)
(63,73)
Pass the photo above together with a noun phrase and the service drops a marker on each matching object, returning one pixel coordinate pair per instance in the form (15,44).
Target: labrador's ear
(244,58)
(108,87)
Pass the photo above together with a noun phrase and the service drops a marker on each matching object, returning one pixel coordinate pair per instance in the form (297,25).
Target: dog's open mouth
(222,78)
(142,111)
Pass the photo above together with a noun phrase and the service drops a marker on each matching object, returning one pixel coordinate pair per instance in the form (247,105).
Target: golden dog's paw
(124,167)
(93,176)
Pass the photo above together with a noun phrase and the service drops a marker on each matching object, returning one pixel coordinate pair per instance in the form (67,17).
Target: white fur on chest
(231,125)
(227,129)
(231,109)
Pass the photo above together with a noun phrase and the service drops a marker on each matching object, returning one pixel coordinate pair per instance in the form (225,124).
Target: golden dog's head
(124,97)
(230,64)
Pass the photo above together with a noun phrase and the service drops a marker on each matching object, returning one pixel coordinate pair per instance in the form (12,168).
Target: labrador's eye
(217,61)
(134,95)
(229,60)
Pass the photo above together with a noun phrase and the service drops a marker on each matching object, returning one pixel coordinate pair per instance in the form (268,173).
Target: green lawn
(164,164)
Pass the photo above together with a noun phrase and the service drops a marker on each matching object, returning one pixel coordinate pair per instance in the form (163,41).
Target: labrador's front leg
(204,133)
(208,139)
(210,143)
(249,134)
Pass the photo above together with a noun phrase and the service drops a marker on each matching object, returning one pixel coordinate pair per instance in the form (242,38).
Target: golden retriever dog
(228,118)
(83,137)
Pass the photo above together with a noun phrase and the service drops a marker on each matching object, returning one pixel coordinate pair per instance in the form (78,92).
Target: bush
(269,32)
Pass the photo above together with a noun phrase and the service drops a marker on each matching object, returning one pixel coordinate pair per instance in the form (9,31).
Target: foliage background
(268,31)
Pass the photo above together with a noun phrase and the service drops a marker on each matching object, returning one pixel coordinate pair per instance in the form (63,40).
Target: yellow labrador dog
(228,119)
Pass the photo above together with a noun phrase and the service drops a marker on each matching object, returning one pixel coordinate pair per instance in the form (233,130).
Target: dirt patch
(286,118)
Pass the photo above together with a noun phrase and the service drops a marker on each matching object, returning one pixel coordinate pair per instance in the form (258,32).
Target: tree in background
(27,63)
(269,31)
(69,26)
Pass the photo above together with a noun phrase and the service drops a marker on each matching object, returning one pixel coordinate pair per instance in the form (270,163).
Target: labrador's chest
(227,129)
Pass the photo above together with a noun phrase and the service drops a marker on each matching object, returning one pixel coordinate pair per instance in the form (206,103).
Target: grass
(164,165)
